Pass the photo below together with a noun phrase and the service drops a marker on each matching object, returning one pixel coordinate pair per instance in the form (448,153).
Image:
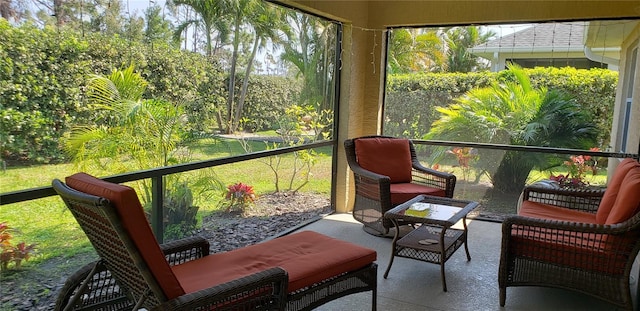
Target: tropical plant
(239,196)
(10,253)
(266,22)
(458,41)
(513,112)
(210,15)
(137,133)
(577,168)
(309,49)
(415,50)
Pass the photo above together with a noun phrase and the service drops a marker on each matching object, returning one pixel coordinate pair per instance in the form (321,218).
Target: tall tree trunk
(58,11)
(232,76)
(245,84)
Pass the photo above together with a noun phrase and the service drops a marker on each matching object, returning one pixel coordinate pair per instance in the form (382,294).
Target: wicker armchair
(581,240)
(387,173)
(123,279)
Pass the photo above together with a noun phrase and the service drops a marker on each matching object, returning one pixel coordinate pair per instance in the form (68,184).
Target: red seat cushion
(546,211)
(126,202)
(308,257)
(588,251)
(404,192)
(385,156)
(613,187)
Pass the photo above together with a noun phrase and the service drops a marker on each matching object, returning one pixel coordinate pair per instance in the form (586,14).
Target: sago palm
(515,113)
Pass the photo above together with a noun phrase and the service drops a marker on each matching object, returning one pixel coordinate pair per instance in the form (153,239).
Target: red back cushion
(126,202)
(628,199)
(610,195)
(385,156)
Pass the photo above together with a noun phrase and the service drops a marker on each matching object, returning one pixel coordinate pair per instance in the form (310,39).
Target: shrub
(10,253)
(411,100)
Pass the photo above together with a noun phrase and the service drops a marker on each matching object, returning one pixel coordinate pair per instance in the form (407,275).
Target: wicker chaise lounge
(299,271)
(582,240)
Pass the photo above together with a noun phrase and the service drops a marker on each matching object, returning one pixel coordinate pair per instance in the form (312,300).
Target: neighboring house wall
(627,107)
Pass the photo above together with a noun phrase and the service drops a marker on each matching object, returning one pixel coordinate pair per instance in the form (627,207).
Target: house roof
(595,40)
(567,38)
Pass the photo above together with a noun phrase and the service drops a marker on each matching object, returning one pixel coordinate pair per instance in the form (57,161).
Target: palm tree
(266,21)
(513,112)
(145,131)
(413,50)
(308,49)
(212,15)
(141,134)
(459,40)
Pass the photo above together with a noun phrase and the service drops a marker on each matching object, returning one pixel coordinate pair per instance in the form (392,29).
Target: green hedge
(411,99)
(43,75)
(40,75)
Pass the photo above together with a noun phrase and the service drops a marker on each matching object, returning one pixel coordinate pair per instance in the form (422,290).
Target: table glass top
(431,211)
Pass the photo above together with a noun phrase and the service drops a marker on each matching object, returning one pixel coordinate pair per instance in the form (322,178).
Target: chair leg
(374,298)
(85,282)
(503,296)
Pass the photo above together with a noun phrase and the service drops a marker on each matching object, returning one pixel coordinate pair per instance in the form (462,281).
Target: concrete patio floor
(472,285)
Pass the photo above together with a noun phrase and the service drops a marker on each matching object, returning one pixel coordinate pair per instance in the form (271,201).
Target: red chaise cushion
(308,257)
(126,202)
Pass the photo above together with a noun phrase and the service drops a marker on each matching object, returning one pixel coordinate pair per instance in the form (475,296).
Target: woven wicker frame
(603,265)
(372,191)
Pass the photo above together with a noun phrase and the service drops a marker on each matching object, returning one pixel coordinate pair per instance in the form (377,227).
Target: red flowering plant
(10,253)
(464,156)
(239,196)
(577,168)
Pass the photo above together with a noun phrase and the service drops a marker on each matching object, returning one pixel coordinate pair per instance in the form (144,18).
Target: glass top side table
(433,240)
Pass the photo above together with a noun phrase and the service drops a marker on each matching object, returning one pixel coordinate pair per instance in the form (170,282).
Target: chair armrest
(523,223)
(264,290)
(444,175)
(183,250)
(369,176)
(437,179)
(371,185)
(587,200)
(537,233)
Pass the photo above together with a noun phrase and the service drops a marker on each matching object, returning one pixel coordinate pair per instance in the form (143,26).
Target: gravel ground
(272,215)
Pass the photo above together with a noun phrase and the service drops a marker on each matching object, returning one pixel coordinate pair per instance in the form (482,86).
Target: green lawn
(48,223)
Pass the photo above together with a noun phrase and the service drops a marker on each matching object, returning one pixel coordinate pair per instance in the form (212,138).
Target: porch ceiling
(375,14)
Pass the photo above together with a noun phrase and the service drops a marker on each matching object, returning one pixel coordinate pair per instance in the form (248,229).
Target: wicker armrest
(437,179)
(245,293)
(369,176)
(587,200)
(429,171)
(183,250)
(536,225)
